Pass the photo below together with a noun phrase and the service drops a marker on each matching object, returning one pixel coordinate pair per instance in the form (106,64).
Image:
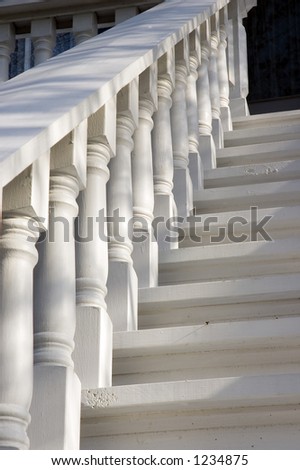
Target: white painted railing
(142,107)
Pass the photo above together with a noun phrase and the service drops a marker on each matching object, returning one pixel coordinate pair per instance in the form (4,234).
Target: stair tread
(282,132)
(252,173)
(227,392)
(264,333)
(271,119)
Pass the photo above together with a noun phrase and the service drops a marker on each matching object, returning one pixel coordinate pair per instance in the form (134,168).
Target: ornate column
(206,142)
(238,63)
(84,27)
(223,72)
(145,250)
(217,131)
(183,191)
(57,390)
(163,169)
(122,279)
(24,199)
(93,339)
(7,46)
(43,36)
(195,163)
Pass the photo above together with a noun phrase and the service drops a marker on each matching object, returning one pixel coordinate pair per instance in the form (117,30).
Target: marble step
(249,174)
(229,261)
(258,153)
(262,134)
(241,197)
(219,413)
(219,300)
(207,350)
(266,120)
(239,226)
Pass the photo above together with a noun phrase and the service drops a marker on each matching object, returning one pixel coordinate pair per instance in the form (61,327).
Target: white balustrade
(123,138)
(7,45)
(145,249)
(122,279)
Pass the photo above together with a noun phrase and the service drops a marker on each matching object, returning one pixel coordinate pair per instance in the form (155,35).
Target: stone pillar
(7,46)
(206,142)
(145,249)
(183,191)
(223,72)
(43,33)
(195,163)
(84,27)
(238,60)
(122,279)
(93,338)
(57,390)
(163,170)
(123,14)
(217,131)
(24,199)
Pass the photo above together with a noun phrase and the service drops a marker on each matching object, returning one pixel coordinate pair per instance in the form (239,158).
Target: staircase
(149,243)
(215,361)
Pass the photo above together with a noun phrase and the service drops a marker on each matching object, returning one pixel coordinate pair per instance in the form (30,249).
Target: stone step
(239,226)
(245,196)
(260,135)
(220,300)
(205,351)
(266,120)
(258,153)
(229,261)
(252,174)
(214,412)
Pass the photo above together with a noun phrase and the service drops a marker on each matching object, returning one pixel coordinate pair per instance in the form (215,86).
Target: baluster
(238,59)
(24,199)
(223,72)
(206,142)
(180,136)
(123,14)
(122,279)
(43,37)
(56,398)
(195,163)
(145,251)
(163,169)
(217,131)
(84,27)
(7,46)
(93,338)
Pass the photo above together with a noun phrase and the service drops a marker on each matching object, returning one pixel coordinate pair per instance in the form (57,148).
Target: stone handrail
(121,125)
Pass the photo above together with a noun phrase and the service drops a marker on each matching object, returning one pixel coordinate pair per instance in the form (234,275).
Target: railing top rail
(39,107)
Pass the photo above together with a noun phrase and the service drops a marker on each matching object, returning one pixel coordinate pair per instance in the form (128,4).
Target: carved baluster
(7,46)
(122,279)
(195,163)
(163,169)
(238,59)
(24,199)
(145,252)
(217,130)
(84,27)
(223,72)
(93,338)
(180,136)
(206,142)
(56,398)
(43,37)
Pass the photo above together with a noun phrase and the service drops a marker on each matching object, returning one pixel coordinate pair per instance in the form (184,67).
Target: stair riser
(261,135)
(271,120)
